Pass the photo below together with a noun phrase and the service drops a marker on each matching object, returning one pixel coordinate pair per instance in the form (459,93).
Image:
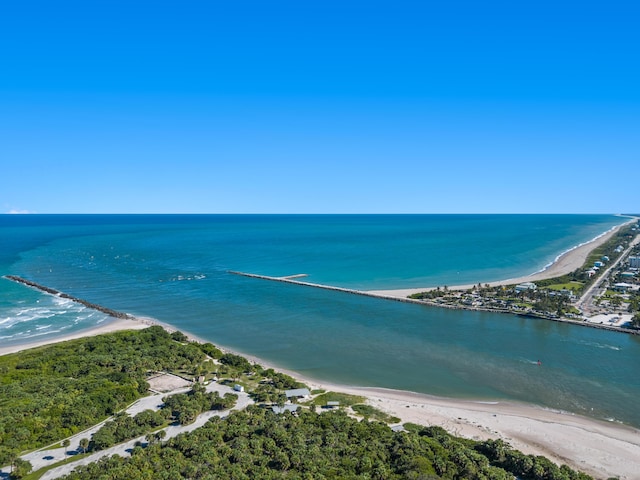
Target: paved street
(44,457)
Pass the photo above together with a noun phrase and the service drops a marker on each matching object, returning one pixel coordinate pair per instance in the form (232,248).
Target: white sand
(109,326)
(597,448)
(600,449)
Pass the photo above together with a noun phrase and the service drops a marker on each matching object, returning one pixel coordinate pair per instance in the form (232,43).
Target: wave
(548,265)
(601,345)
(180,278)
(48,317)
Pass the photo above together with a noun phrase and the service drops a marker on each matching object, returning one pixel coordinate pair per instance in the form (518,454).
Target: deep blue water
(175,268)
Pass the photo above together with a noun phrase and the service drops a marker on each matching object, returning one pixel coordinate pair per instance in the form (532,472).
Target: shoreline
(563,264)
(108,326)
(596,447)
(599,448)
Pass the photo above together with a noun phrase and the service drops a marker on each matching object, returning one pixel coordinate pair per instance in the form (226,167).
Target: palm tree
(84,444)
(12,456)
(65,443)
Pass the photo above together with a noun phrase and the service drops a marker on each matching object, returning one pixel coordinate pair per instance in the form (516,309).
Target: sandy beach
(111,325)
(600,449)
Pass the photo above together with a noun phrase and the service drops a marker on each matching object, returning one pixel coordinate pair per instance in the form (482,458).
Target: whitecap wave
(180,278)
(43,317)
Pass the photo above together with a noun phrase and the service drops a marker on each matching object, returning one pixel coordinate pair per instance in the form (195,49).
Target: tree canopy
(52,392)
(257,444)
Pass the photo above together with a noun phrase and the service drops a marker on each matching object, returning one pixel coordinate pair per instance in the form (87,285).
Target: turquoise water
(175,269)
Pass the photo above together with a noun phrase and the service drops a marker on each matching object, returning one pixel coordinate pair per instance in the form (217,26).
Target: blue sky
(319,107)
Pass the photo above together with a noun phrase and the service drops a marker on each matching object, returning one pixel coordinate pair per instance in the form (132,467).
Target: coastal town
(601,290)
(603,293)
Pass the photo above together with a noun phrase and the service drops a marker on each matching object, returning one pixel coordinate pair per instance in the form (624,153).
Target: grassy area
(344,399)
(523,304)
(369,412)
(573,286)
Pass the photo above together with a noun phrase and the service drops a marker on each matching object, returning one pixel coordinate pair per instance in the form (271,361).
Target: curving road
(45,457)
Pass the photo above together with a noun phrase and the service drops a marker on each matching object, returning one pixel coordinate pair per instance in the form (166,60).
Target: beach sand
(110,325)
(600,449)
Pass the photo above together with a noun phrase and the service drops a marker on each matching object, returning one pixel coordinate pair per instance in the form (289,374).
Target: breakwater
(292,279)
(57,293)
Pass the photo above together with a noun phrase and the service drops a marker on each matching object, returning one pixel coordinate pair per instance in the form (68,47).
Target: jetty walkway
(292,279)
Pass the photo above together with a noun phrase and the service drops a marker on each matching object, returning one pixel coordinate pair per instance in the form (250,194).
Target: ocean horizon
(175,268)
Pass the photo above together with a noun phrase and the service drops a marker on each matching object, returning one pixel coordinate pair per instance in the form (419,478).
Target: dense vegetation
(48,393)
(51,392)
(256,443)
(124,427)
(183,408)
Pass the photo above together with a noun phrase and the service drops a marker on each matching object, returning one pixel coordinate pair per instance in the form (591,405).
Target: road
(45,457)
(586,300)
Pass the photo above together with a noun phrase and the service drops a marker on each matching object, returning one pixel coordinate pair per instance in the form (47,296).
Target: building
(289,407)
(622,287)
(634,262)
(598,264)
(298,393)
(526,286)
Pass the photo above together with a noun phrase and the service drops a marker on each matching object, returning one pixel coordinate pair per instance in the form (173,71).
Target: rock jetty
(53,291)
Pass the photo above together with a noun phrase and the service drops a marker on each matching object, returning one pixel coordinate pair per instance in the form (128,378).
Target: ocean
(175,268)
